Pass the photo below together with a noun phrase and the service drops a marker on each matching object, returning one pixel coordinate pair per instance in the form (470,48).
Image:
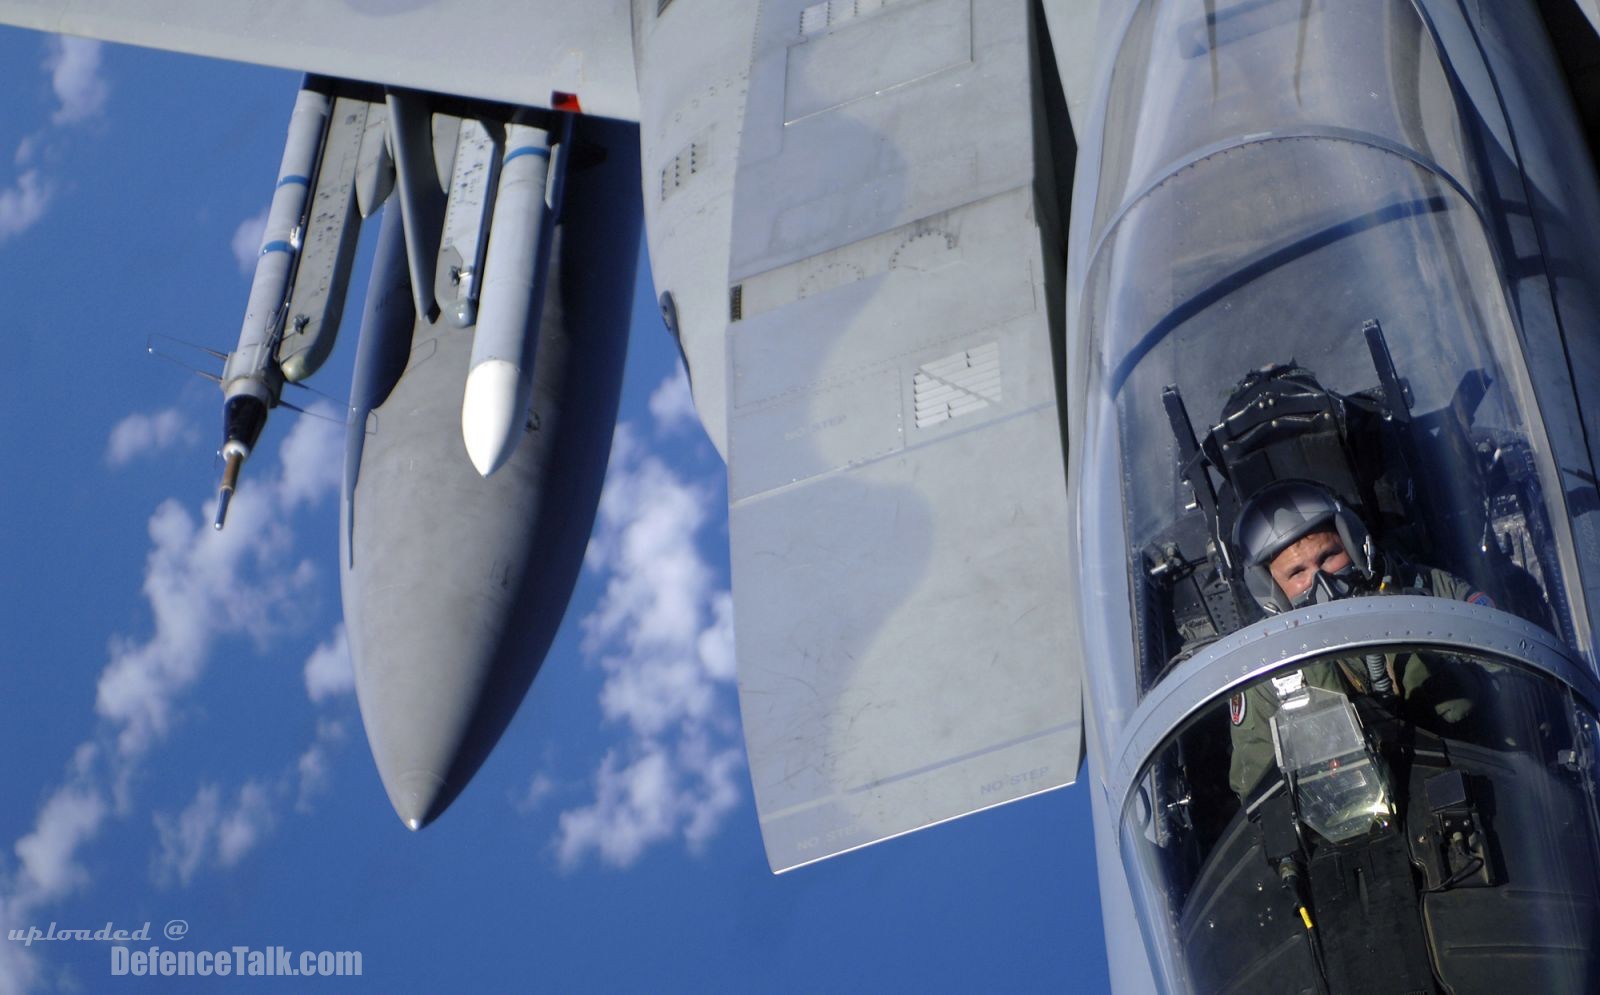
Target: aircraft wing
(515,52)
(896,474)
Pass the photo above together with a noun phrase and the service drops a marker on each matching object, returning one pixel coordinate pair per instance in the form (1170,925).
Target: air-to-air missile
(494,406)
(252,379)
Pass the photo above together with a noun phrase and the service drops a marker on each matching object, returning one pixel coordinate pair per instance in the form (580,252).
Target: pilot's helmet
(1280,515)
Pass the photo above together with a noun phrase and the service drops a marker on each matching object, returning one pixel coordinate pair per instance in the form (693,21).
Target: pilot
(1300,545)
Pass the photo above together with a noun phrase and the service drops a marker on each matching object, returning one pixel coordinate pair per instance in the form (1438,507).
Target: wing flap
(896,469)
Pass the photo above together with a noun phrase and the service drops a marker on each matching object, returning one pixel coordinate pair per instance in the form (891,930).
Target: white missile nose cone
(493,411)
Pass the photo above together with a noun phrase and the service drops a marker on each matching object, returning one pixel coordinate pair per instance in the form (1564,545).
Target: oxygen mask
(1326,587)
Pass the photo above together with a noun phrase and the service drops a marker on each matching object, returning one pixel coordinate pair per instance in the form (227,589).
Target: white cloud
(660,793)
(311,773)
(648,518)
(313,770)
(246,242)
(23,204)
(541,786)
(186,837)
(312,456)
(328,671)
(633,808)
(209,833)
(662,633)
(244,826)
(718,773)
(49,867)
(74,67)
(671,404)
(203,583)
(80,91)
(200,584)
(651,693)
(26,150)
(19,969)
(716,643)
(141,434)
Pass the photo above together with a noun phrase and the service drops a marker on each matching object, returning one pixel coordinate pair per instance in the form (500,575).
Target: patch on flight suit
(1236,708)
(1479,598)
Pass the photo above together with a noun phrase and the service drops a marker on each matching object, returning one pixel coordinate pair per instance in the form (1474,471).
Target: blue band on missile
(527,150)
(278,246)
(304,181)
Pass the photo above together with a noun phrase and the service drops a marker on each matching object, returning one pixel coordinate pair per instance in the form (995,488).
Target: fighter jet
(1040,338)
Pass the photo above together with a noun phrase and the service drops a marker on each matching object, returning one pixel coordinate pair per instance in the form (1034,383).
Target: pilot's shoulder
(1445,584)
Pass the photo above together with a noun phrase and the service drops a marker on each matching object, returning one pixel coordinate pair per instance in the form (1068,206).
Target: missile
(494,406)
(251,378)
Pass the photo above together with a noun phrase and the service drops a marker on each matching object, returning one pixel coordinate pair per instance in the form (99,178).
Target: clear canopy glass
(1326,231)
(1445,836)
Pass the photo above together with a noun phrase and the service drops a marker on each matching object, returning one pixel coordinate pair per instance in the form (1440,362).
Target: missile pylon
(494,406)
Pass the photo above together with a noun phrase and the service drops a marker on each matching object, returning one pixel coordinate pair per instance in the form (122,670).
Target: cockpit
(1398,795)
(1440,841)
(1301,332)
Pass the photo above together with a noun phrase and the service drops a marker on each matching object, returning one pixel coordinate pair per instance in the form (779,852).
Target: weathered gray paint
(897,493)
(577,48)
(454,584)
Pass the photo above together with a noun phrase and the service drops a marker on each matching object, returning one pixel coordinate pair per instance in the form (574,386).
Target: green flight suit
(1250,711)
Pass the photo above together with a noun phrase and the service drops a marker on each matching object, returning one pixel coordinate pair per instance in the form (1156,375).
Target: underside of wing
(520,53)
(896,458)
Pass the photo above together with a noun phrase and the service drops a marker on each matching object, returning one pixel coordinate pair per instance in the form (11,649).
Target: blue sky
(179,735)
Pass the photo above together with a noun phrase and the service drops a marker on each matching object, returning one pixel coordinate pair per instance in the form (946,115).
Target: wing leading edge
(516,53)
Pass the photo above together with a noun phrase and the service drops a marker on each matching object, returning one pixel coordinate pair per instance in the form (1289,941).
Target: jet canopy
(1363,344)
(1442,838)
(1394,789)
(1356,333)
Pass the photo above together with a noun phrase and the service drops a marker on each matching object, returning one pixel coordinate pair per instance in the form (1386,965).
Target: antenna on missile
(152,347)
